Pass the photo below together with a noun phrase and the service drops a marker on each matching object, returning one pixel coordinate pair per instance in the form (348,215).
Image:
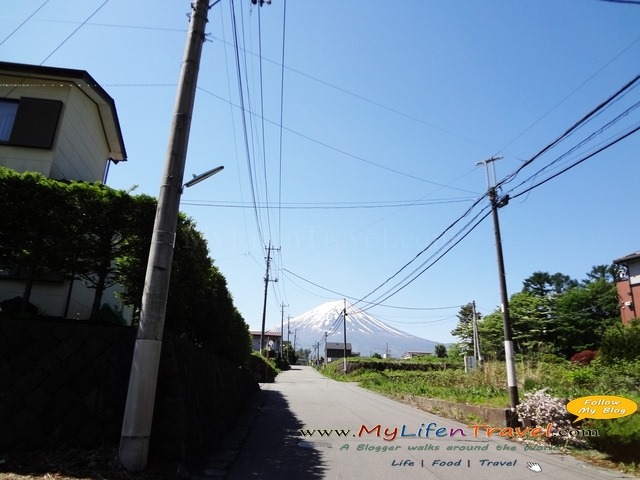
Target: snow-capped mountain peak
(365,333)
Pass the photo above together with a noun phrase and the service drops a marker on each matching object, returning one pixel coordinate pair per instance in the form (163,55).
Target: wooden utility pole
(282,305)
(266,288)
(138,414)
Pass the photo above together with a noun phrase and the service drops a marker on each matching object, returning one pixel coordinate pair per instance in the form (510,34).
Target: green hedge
(262,370)
(402,366)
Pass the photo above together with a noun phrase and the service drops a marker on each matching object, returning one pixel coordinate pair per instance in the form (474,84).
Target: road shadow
(273,448)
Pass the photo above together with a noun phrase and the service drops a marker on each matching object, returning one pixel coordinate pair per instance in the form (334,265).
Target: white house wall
(633,270)
(24,159)
(81,147)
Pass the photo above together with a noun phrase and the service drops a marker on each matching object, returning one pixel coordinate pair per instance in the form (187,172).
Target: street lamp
(203,176)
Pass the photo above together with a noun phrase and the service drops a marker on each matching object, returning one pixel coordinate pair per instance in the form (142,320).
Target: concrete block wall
(66,383)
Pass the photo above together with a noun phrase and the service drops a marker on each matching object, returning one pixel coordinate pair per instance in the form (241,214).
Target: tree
(543,283)
(464,329)
(289,354)
(608,273)
(583,314)
(440,351)
(532,322)
(491,334)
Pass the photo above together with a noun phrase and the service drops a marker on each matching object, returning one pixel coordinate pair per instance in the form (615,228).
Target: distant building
(272,340)
(335,350)
(628,286)
(411,354)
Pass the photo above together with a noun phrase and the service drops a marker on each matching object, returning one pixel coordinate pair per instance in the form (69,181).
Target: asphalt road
(303,399)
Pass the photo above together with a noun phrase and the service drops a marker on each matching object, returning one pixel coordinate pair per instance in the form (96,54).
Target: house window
(8,111)
(29,122)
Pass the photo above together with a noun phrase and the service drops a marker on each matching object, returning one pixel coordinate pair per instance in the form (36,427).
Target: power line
(74,32)
(571,129)
(578,162)
(413,276)
(338,150)
(243,116)
(324,205)
(453,224)
(22,24)
(284,29)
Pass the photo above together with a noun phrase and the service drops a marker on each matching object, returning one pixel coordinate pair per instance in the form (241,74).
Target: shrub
(262,370)
(619,437)
(582,377)
(584,357)
(539,408)
(621,342)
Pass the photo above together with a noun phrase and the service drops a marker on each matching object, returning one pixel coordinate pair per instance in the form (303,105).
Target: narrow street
(410,443)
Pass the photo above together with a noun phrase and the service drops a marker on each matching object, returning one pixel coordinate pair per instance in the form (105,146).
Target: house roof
(88,86)
(337,346)
(628,258)
(266,334)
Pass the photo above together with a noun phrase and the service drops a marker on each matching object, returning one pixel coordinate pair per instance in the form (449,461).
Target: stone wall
(494,416)
(66,383)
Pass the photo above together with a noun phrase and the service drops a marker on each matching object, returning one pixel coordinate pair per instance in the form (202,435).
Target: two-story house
(58,122)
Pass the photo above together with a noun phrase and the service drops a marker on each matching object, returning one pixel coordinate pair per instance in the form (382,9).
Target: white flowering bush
(540,409)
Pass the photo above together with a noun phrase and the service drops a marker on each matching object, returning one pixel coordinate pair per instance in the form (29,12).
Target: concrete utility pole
(345,335)
(509,352)
(288,329)
(282,305)
(266,287)
(476,337)
(138,415)
(325,347)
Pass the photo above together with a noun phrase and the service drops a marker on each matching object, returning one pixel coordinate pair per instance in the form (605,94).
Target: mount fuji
(366,334)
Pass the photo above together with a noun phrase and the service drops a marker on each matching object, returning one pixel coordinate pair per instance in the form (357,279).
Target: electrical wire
(22,24)
(284,29)
(453,224)
(578,162)
(74,32)
(631,84)
(401,286)
(264,147)
(338,150)
(244,120)
(325,205)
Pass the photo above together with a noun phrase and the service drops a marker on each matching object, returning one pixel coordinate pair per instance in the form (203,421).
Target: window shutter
(35,123)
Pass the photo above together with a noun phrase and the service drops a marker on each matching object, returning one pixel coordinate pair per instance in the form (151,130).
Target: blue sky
(386,107)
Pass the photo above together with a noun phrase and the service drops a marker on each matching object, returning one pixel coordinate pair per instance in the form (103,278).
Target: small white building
(58,122)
